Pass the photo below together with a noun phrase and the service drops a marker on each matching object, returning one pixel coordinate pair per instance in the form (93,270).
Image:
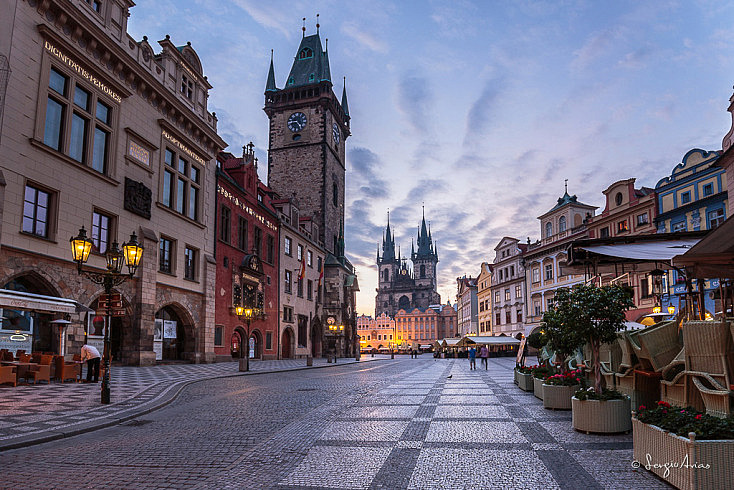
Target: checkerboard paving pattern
(474,430)
(34,409)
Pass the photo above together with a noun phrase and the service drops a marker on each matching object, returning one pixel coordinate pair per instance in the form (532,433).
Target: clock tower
(308,131)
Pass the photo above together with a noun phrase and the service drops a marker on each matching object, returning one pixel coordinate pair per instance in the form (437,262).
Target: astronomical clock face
(336,133)
(297,121)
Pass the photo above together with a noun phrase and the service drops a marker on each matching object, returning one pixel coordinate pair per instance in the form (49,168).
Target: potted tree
(592,315)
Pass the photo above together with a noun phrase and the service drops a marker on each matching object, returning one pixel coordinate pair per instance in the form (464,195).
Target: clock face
(297,121)
(336,133)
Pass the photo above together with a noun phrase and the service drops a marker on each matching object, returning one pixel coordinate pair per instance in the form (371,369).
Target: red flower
(663,404)
(643,407)
(698,417)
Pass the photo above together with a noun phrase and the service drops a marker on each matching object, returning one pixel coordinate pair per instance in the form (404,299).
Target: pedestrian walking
(484,354)
(472,359)
(91,355)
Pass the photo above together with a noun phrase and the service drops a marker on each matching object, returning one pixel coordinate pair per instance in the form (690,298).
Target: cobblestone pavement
(391,424)
(32,412)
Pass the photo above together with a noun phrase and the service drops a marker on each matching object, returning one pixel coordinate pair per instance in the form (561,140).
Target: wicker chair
(40,372)
(8,374)
(656,346)
(67,370)
(709,361)
(24,358)
(7,356)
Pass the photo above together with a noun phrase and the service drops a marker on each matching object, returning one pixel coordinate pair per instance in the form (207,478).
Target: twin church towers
(403,287)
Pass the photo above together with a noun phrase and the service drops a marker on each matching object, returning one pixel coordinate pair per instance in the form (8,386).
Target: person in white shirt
(91,355)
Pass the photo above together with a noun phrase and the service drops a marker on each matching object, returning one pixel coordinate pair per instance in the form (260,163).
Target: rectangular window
(287,247)
(224,223)
(507,294)
(679,226)
(604,232)
(258,244)
(302,330)
(536,274)
(309,258)
(548,272)
(299,285)
(165,255)
(508,317)
(685,198)
(715,217)
(512,271)
(644,287)
(181,185)
(287,314)
(36,207)
(536,307)
(622,226)
(76,115)
(708,190)
(187,87)
(309,290)
(496,296)
(519,316)
(299,255)
(268,340)
(242,234)
(549,303)
(270,249)
(287,282)
(318,263)
(190,260)
(518,292)
(101,231)
(218,335)
(642,219)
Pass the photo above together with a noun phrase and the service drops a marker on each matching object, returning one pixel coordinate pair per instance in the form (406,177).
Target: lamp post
(246,314)
(335,330)
(130,254)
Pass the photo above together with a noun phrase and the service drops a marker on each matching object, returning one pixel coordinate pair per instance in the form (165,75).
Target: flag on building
(321,275)
(302,272)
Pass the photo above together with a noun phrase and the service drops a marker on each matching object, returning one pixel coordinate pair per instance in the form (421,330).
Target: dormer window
(618,198)
(310,77)
(305,53)
(291,81)
(96,5)
(187,87)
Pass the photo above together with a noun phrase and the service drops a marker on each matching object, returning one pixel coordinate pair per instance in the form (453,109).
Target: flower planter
(601,416)
(525,381)
(686,463)
(517,374)
(558,397)
(538,387)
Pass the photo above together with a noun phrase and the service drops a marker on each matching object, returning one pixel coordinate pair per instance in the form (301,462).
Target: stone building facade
(467,306)
(376,333)
(308,130)
(424,326)
(544,260)
(107,132)
(484,299)
(508,288)
(246,234)
(628,211)
(302,258)
(403,287)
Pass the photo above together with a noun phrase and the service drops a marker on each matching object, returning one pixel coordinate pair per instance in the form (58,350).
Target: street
(384,424)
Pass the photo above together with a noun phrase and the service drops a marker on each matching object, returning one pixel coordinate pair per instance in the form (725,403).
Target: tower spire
(345,105)
(303,29)
(270,85)
(317,23)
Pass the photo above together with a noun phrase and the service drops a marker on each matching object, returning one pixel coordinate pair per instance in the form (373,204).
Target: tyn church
(403,287)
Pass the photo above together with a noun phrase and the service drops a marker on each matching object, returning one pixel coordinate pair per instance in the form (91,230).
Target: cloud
(414,101)
(481,114)
(594,48)
(363,37)
(269,15)
(636,58)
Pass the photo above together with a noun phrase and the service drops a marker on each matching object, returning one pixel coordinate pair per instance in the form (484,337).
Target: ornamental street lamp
(247,314)
(130,254)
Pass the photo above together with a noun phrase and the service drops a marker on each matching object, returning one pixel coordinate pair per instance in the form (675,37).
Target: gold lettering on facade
(236,201)
(139,153)
(81,71)
(183,147)
(188,70)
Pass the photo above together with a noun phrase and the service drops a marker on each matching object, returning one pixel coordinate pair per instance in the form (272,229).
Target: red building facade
(246,227)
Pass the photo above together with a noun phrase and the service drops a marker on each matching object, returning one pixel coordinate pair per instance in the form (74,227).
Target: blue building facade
(692,198)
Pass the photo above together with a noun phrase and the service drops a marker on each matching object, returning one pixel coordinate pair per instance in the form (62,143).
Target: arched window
(386,274)
(562,224)
(548,229)
(423,271)
(305,53)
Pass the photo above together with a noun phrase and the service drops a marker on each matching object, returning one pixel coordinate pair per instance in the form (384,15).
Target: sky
(478,110)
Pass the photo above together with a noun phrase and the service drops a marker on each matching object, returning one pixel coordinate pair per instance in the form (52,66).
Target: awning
(425,346)
(449,342)
(17,300)
(713,256)
(619,255)
(495,340)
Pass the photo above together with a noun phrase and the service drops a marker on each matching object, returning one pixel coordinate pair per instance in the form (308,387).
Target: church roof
(311,63)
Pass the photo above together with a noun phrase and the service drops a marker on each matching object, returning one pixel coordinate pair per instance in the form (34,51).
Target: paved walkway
(31,414)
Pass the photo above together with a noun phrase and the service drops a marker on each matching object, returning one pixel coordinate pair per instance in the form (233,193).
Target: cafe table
(23,368)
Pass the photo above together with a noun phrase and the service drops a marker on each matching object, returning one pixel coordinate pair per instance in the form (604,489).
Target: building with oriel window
(508,288)
(246,234)
(544,260)
(110,133)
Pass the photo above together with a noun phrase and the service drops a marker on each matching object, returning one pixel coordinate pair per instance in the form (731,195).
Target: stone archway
(237,342)
(404,303)
(174,333)
(286,350)
(256,344)
(120,330)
